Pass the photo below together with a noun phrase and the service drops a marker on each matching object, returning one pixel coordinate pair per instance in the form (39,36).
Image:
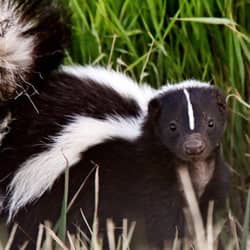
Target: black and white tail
(33,36)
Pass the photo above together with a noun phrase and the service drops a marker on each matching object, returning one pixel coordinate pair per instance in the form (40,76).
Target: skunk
(138,137)
(84,117)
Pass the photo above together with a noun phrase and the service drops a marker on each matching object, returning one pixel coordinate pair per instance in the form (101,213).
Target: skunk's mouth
(205,155)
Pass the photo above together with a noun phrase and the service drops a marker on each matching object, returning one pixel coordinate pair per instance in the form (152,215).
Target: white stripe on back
(190,110)
(118,81)
(38,173)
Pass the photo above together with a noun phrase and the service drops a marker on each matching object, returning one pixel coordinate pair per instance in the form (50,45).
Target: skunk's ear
(221,101)
(154,107)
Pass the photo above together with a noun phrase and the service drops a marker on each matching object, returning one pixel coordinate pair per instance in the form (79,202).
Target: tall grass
(171,40)
(202,236)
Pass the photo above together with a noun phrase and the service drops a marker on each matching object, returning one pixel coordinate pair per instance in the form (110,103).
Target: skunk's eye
(172,126)
(210,123)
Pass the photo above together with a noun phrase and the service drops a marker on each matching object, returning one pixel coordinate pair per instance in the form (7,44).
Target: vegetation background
(159,41)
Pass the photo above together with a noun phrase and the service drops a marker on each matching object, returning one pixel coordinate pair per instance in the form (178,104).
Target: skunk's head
(33,36)
(189,119)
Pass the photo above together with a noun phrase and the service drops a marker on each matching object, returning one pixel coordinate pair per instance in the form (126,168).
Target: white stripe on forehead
(183,86)
(190,110)
(188,84)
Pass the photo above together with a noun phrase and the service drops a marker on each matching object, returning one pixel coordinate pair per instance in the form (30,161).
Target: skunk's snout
(194,145)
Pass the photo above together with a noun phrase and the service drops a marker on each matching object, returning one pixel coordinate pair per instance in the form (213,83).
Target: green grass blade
(245,234)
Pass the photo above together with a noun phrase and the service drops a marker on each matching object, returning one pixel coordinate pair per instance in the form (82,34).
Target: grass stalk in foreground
(205,237)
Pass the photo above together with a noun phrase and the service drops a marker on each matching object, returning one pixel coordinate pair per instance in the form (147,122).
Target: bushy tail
(33,37)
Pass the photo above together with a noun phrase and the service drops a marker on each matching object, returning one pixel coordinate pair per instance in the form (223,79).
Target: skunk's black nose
(194,146)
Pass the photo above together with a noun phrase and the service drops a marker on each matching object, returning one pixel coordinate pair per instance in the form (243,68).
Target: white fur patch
(184,85)
(119,82)
(4,127)
(15,49)
(37,174)
(190,110)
